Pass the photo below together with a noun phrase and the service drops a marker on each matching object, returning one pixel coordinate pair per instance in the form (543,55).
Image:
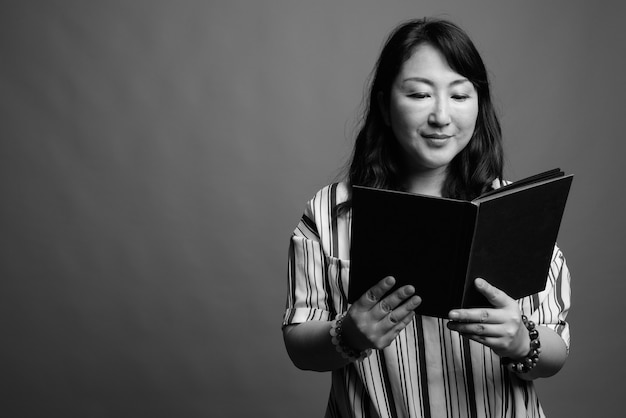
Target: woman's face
(432,110)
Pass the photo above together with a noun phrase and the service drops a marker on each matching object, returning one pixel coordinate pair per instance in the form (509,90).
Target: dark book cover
(441,245)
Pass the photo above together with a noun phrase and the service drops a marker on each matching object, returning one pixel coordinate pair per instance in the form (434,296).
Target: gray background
(156,155)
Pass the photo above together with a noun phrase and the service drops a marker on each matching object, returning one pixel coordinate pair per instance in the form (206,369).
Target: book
(440,245)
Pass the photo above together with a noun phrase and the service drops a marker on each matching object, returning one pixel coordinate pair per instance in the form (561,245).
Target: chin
(436,163)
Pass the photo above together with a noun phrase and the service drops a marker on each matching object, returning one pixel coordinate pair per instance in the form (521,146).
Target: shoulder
(321,209)
(321,221)
(329,196)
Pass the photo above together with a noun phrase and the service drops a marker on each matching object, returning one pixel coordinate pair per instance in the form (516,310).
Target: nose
(440,115)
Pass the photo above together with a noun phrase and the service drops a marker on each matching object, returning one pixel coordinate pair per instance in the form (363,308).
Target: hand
(500,328)
(373,321)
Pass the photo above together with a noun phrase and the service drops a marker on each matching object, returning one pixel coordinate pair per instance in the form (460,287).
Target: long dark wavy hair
(376,161)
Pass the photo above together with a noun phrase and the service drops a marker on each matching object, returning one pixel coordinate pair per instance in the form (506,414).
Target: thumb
(495,296)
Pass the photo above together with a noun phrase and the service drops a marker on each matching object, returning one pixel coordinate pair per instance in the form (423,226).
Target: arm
(309,347)
(371,322)
(312,298)
(552,358)
(501,329)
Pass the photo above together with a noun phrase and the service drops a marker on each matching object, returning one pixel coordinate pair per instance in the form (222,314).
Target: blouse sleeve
(550,306)
(308,286)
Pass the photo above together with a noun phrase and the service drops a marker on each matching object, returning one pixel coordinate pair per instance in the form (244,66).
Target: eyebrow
(427,81)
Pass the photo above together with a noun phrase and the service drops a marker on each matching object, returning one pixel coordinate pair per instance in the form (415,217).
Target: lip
(436,136)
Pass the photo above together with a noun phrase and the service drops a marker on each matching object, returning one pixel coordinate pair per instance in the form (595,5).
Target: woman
(429,128)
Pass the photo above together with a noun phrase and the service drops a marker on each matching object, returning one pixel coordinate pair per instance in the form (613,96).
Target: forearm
(310,348)
(552,357)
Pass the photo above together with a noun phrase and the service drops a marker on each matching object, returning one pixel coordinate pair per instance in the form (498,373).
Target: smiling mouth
(436,136)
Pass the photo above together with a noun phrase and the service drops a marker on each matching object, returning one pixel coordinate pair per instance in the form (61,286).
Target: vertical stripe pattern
(428,371)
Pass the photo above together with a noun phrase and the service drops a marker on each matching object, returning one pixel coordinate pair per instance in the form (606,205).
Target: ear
(382,106)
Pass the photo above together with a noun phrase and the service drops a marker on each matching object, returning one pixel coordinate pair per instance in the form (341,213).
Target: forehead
(428,62)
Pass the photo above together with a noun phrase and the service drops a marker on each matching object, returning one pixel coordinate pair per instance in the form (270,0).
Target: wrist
(523,345)
(529,360)
(343,347)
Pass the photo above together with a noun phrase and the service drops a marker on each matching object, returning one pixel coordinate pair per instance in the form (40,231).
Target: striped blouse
(428,370)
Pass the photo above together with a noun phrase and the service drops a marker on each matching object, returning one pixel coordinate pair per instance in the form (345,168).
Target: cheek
(467,121)
(404,117)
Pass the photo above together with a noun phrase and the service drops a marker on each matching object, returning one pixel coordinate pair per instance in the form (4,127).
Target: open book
(441,245)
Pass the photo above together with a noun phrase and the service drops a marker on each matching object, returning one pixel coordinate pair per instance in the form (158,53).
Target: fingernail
(480,282)
(453,315)
(389,280)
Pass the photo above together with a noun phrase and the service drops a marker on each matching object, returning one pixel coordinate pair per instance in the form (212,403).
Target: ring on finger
(385,307)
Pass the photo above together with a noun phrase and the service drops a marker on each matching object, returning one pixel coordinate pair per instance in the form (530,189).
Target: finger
(395,329)
(480,315)
(400,322)
(475,329)
(405,310)
(495,296)
(409,306)
(376,292)
(491,342)
(392,301)
(406,320)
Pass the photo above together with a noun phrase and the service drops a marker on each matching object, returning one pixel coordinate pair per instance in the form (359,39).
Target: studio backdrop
(155,157)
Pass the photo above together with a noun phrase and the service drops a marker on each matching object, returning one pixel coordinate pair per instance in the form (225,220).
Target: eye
(419,95)
(460,97)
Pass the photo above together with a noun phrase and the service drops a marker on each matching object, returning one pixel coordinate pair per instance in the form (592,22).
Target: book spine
(465,252)
(468,282)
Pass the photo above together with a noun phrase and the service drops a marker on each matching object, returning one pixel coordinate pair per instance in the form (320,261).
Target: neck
(428,182)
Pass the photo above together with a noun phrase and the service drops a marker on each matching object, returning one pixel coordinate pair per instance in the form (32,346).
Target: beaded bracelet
(342,348)
(527,363)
